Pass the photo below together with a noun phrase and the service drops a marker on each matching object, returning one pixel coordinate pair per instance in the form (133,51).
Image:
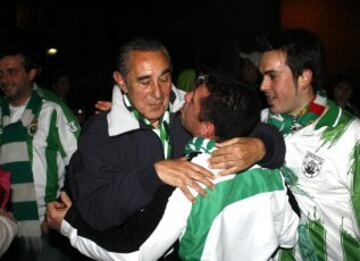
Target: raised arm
(266,147)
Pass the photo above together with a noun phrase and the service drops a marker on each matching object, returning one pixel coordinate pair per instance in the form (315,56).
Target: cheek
(166,90)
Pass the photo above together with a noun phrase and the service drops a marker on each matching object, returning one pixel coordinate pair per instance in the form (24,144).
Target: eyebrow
(270,72)
(144,77)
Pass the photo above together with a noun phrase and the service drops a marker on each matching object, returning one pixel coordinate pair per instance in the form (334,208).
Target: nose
(157,92)
(264,84)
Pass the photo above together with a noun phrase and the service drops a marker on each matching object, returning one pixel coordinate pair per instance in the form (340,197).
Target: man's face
(63,86)
(279,86)
(191,110)
(15,81)
(342,93)
(148,83)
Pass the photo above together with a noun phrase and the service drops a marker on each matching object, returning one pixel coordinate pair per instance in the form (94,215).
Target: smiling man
(323,147)
(38,135)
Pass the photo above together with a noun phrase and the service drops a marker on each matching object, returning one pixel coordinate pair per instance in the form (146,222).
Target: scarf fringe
(30,233)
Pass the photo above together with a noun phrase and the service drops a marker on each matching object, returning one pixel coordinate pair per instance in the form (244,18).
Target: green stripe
(69,115)
(25,210)
(333,134)
(350,247)
(286,255)
(19,172)
(355,191)
(17,133)
(318,238)
(52,179)
(206,209)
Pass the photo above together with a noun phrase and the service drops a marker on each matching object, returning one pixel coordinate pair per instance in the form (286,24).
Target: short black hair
(30,55)
(303,49)
(232,108)
(138,44)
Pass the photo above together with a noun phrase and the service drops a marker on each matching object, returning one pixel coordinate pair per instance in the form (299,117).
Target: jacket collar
(120,120)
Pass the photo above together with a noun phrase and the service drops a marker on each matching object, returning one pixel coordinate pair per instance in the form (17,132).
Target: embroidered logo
(312,165)
(32,127)
(72,126)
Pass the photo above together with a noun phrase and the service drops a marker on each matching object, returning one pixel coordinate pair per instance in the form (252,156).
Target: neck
(155,123)
(302,102)
(19,102)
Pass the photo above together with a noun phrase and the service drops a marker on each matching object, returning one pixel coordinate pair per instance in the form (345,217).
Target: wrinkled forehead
(142,61)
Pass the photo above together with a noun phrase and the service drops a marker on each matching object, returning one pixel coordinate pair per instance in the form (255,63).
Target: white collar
(120,120)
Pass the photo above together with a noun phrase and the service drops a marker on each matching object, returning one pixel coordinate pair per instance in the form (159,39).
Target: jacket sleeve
(105,191)
(68,130)
(125,240)
(274,145)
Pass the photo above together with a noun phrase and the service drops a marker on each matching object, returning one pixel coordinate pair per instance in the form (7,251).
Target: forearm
(274,145)
(118,240)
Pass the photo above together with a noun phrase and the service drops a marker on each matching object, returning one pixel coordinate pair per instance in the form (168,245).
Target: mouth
(270,99)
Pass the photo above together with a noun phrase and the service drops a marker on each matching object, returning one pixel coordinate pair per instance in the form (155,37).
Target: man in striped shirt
(38,135)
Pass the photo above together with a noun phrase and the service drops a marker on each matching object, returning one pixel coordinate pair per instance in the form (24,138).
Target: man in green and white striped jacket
(38,135)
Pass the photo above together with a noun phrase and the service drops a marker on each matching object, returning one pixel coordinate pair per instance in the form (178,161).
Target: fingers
(199,189)
(230,171)
(185,175)
(103,105)
(228,142)
(188,194)
(65,199)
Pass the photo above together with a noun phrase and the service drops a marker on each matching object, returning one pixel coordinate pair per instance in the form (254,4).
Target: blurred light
(52,51)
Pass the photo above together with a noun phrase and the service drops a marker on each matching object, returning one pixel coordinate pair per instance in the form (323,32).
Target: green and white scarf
(163,131)
(199,144)
(16,157)
(287,123)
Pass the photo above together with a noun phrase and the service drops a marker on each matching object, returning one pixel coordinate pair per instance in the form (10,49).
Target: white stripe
(27,117)
(23,192)
(338,117)
(29,228)
(6,120)
(8,155)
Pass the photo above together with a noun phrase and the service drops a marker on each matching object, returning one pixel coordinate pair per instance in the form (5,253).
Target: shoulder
(51,102)
(96,124)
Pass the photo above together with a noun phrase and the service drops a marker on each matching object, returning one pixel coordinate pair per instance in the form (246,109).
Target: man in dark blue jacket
(124,156)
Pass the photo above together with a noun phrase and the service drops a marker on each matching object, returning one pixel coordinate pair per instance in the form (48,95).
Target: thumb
(65,199)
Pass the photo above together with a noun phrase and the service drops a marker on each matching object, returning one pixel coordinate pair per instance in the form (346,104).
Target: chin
(275,109)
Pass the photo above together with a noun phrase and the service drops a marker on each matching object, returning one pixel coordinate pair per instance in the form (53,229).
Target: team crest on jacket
(312,165)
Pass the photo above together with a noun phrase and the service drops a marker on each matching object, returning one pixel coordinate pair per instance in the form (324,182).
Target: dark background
(88,35)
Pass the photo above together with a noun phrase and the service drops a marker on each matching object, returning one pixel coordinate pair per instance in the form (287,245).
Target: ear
(207,130)
(305,79)
(33,73)
(120,81)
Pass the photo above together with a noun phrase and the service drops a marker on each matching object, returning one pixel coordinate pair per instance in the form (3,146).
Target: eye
(12,71)
(145,81)
(164,78)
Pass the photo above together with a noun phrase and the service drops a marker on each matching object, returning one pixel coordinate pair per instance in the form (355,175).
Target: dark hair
(232,108)
(138,44)
(29,54)
(303,50)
